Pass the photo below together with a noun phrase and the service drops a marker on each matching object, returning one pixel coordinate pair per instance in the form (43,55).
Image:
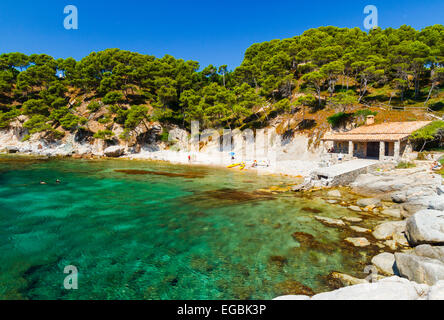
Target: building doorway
(373,150)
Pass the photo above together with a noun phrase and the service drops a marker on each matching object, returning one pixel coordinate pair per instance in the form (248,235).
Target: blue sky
(211,32)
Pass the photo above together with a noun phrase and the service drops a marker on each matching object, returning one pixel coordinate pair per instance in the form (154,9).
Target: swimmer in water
(43,182)
(58,181)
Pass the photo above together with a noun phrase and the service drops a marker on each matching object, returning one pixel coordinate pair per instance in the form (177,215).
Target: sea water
(151,230)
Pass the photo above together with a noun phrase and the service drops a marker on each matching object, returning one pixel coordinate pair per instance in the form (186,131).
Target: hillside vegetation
(326,76)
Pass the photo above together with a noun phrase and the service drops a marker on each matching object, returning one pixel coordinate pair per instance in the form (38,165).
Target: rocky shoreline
(410,262)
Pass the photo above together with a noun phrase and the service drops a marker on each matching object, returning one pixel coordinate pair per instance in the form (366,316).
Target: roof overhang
(365,137)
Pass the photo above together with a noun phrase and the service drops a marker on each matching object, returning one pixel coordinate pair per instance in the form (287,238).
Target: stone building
(385,141)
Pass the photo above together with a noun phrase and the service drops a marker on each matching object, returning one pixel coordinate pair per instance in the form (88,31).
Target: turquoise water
(167,232)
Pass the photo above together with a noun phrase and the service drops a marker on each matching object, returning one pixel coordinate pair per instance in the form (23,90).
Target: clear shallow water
(200,233)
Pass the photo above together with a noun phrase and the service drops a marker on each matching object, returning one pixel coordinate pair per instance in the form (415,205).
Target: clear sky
(208,31)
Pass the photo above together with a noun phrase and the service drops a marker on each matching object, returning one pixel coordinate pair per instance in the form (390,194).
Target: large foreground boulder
(393,288)
(426,227)
(114,151)
(419,269)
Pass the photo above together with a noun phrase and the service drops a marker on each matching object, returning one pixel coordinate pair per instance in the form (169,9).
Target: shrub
(58,114)
(34,106)
(104,134)
(105,119)
(164,136)
(365,112)
(55,134)
(432,134)
(94,106)
(405,165)
(7,117)
(422,156)
(37,123)
(125,135)
(339,119)
(113,97)
(70,121)
(58,103)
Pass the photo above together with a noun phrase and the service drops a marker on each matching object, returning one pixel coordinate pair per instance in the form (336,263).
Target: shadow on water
(188,175)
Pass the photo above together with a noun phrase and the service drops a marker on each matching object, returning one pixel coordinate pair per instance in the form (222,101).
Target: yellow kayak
(241,165)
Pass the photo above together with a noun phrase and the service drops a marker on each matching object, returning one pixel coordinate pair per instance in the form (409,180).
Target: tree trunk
(430,93)
(391,96)
(423,146)
(416,87)
(363,91)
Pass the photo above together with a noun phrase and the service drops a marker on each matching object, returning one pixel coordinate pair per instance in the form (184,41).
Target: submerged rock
(334,193)
(360,229)
(302,237)
(369,202)
(330,221)
(352,219)
(358,242)
(307,240)
(279,260)
(355,208)
(312,210)
(292,287)
(385,231)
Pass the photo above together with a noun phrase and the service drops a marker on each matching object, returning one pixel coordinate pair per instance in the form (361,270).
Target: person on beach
(340,157)
(189,158)
(436,166)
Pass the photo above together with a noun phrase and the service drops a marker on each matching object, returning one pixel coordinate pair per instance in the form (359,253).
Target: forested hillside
(328,68)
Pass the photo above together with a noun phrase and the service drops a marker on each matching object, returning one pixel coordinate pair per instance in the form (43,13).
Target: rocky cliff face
(146,139)
(80,143)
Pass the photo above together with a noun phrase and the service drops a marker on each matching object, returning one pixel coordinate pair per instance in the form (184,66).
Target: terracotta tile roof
(390,131)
